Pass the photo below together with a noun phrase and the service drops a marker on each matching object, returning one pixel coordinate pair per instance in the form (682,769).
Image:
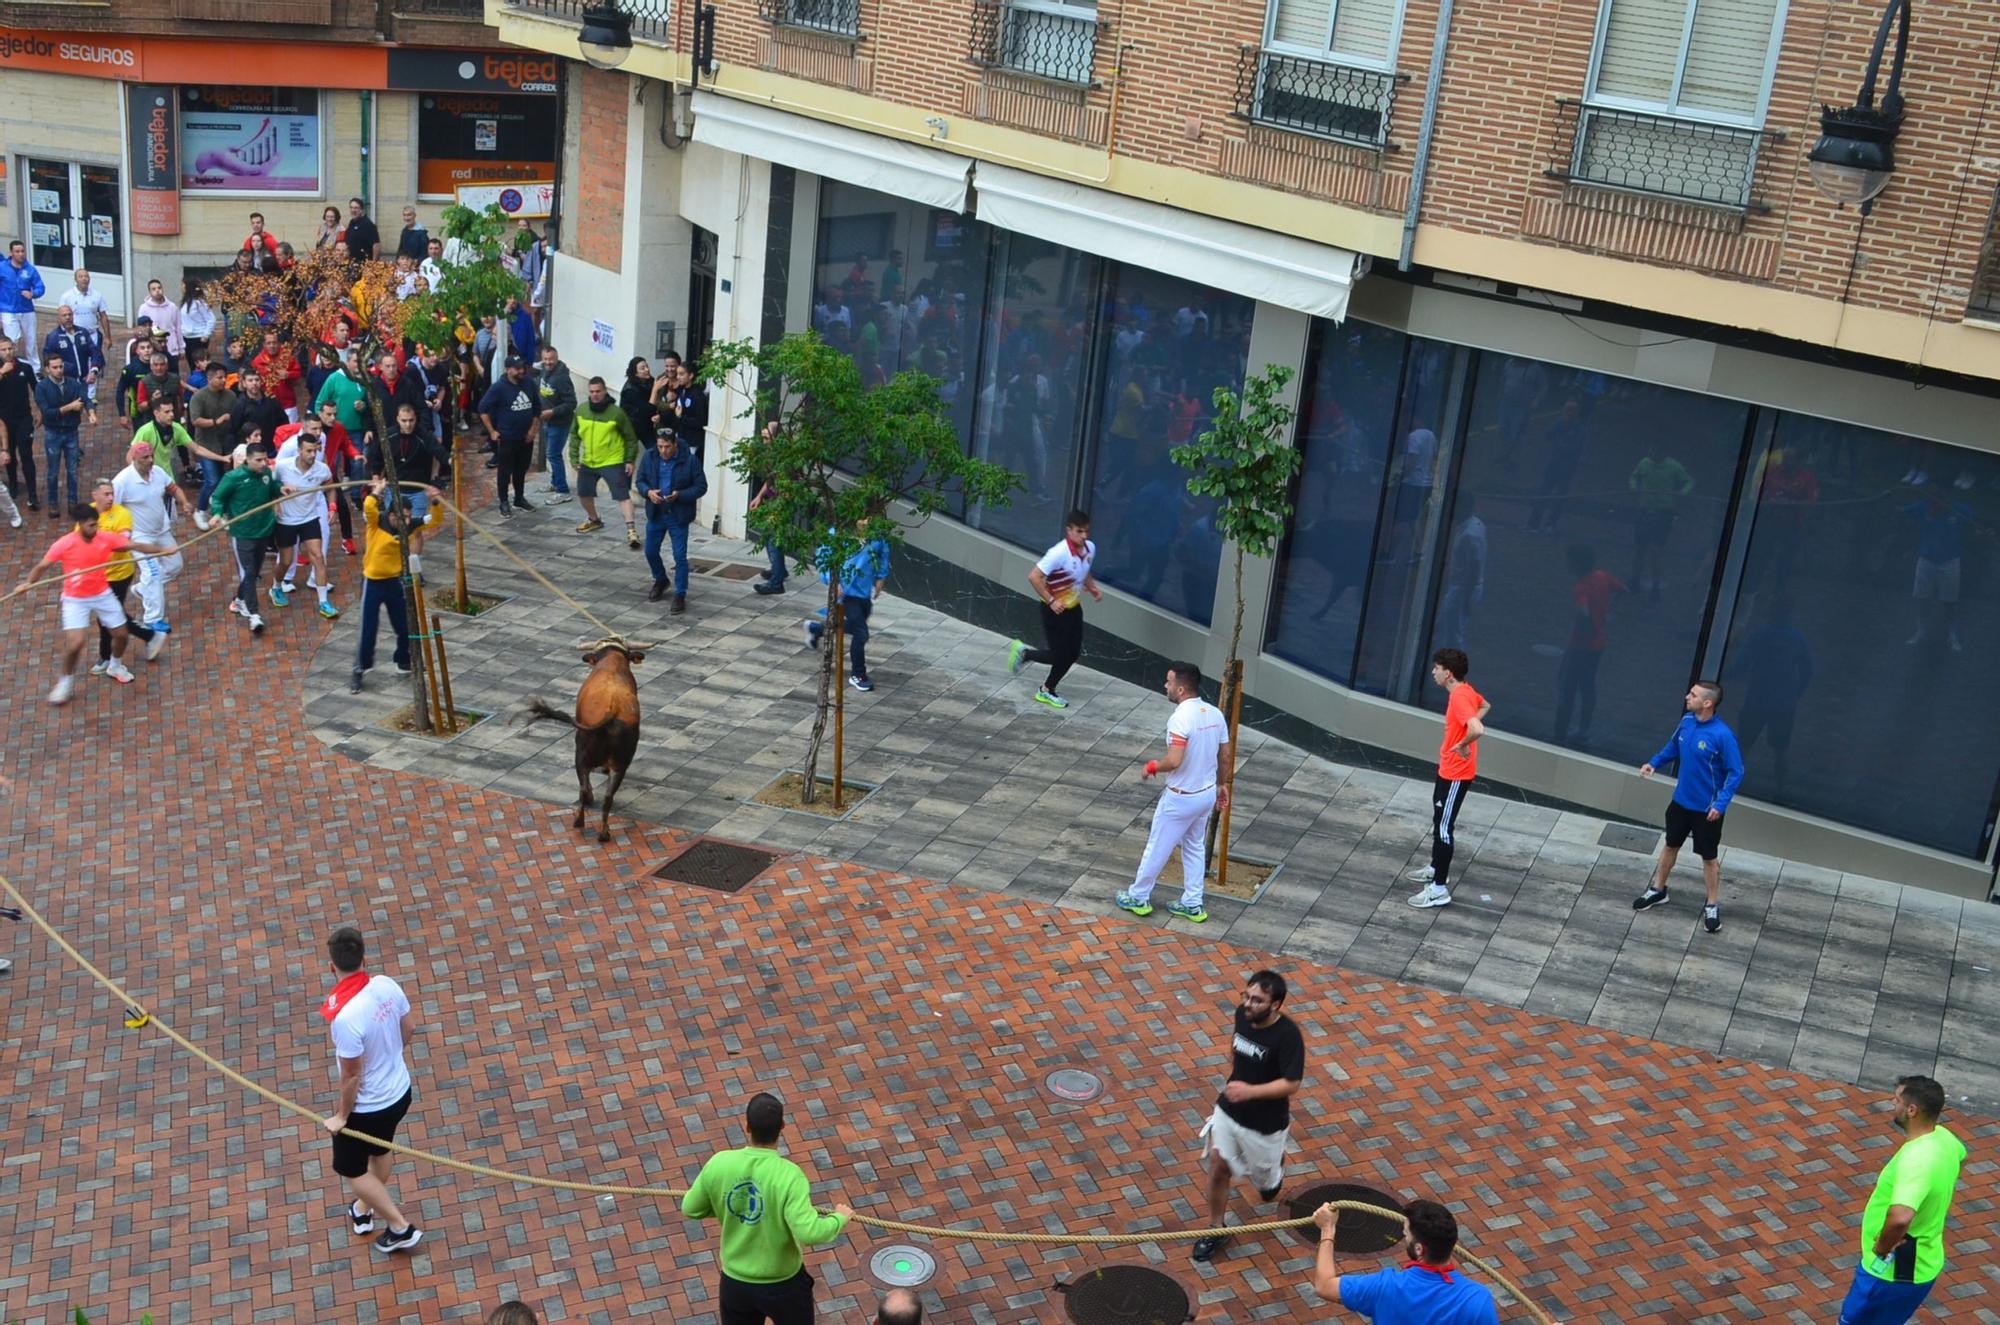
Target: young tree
(1246,462)
(839,456)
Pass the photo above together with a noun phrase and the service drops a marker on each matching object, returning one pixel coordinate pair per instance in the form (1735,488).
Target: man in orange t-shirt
(85,556)
(1458,763)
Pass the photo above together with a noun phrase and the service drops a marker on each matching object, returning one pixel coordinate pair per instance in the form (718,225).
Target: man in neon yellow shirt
(764,1204)
(1902,1228)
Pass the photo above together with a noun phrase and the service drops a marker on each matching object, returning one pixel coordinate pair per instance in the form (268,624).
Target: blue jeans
(60,447)
(855,624)
(376,594)
(777,556)
(656,532)
(555,440)
(211,474)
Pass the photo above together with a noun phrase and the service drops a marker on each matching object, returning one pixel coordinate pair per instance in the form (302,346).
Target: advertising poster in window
(480,138)
(250,139)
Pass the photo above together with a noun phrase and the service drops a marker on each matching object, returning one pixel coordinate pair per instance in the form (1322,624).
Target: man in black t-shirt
(364,241)
(1253,1114)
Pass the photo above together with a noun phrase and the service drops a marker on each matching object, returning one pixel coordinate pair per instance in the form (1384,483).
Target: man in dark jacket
(255,411)
(17,420)
(670,481)
(687,409)
(418,460)
(396,389)
(558,395)
(511,411)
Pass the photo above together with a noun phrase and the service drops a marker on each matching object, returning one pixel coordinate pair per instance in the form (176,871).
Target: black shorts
(350,1157)
(614,477)
(1681,821)
(290,535)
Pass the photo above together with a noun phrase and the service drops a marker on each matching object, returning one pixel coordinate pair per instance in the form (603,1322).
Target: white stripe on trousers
(1457,789)
(1178,821)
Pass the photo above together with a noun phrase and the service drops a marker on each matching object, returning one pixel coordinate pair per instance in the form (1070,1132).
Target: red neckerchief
(343,993)
(1076,551)
(1441,1271)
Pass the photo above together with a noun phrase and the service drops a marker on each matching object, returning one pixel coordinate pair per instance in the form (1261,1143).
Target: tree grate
(723,867)
(1126,1295)
(1357,1234)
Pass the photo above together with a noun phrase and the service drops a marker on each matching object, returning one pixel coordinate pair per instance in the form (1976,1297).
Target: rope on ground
(138,1016)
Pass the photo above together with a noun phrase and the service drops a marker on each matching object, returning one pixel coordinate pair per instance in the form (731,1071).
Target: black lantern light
(606,36)
(1855,154)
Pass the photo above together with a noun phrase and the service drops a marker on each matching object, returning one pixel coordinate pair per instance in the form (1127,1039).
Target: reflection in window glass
(1166,344)
(1854,667)
(1036,351)
(1585,528)
(1347,417)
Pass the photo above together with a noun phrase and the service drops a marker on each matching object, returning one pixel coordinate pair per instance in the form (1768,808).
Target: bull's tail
(537,709)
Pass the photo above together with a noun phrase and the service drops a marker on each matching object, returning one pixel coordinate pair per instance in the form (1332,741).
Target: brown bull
(606,722)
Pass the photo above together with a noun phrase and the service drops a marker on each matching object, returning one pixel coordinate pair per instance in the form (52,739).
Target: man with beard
(1902,1228)
(85,555)
(1252,1121)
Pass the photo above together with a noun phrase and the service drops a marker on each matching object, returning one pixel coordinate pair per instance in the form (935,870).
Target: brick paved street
(582,1020)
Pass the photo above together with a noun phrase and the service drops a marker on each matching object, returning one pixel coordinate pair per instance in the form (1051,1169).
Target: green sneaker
(1127,902)
(1014,652)
(1044,695)
(1192,914)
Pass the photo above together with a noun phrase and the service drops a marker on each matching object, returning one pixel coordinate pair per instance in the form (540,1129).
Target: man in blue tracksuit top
(861,580)
(669,482)
(1711,768)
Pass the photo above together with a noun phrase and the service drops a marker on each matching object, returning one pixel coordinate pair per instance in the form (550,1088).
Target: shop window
(250,140)
(483,138)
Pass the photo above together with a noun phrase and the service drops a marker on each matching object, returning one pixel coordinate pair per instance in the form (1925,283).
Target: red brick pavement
(584,1021)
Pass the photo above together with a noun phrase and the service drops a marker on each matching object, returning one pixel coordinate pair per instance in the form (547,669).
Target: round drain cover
(1126,1295)
(1073,1084)
(902,1266)
(1357,1234)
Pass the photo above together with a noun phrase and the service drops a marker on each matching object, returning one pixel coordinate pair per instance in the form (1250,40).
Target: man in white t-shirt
(1197,782)
(1060,579)
(87,304)
(143,488)
(369,1017)
(302,518)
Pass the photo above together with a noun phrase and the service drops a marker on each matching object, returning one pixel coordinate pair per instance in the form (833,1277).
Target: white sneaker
(1432,895)
(554,498)
(15,523)
(59,694)
(100,667)
(155,646)
(236,606)
(1424,875)
(120,673)
(256,624)
(201,521)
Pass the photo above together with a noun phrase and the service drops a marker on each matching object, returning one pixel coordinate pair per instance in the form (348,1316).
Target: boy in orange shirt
(1458,763)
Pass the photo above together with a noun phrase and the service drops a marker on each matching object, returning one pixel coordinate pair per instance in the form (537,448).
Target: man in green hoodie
(764,1205)
(603,445)
(245,502)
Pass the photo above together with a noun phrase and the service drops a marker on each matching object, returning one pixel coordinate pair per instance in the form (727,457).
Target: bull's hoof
(604,835)
(577,823)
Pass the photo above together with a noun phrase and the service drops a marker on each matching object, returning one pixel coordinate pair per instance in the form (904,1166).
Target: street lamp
(606,36)
(1855,154)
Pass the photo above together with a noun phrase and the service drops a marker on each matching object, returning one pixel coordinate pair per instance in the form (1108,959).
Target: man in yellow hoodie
(603,445)
(381,573)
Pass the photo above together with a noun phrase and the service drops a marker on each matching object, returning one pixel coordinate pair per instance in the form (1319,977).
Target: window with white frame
(1327,68)
(1049,39)
(1677,96)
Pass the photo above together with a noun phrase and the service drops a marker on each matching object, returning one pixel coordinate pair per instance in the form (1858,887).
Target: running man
(1465,711)
(1197,745)
(143,488)
(302,519)
(369,1018)
(113,518)
(1245,1137)
(1902,1227)
(85,555)
(244,501)
(1711,768)
(1060,579)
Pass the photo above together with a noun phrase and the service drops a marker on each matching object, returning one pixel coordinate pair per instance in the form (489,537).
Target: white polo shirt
(146,499)
(1065,571)
(370,1028)
(1200,729)
(306,507)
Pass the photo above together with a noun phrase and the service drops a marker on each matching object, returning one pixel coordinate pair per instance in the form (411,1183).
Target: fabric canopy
(899,169)
(1278,269)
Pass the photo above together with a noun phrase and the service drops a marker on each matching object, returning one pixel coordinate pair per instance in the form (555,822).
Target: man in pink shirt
(84,555)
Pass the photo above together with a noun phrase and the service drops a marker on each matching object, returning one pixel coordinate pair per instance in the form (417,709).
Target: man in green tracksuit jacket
(603,445)
(245,502)
(765,1207)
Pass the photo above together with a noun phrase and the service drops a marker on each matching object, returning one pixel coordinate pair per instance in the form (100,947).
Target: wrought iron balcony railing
(471,9)
(1665,156)
(651,19)
(842,18)
(1047,40)
(1985,301)
(1316,96)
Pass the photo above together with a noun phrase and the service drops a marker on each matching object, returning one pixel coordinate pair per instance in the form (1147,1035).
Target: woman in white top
(197,319)
(166,317)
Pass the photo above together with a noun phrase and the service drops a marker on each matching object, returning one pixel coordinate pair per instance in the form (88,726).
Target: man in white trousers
(143,488)
(1197,743)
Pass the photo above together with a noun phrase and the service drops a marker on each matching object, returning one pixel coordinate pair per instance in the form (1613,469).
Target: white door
(74,221)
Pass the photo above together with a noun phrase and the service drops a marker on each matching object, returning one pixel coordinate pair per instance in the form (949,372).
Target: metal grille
(1315,96)
(1356,1234)
(1056,42)
(1986,279)
(840,17)
(722,866)
(1661,155)
(473,9)
(652,19)
(1126,1295)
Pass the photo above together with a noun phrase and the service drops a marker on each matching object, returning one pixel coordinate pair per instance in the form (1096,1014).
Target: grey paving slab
(1830,974)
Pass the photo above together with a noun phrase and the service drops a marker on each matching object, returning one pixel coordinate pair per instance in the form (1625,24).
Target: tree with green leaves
(844,462)
(1245,460)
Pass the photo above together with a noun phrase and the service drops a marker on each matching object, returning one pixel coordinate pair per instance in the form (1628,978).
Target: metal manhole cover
(1073,1084)
(902,1266)
(733,571)
(1126,1295)
(1627,838)
(721,866)
(1357,1234)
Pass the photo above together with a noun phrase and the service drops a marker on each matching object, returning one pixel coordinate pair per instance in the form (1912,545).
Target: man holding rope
(1428,1290)
(369,1018)
(85,555)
